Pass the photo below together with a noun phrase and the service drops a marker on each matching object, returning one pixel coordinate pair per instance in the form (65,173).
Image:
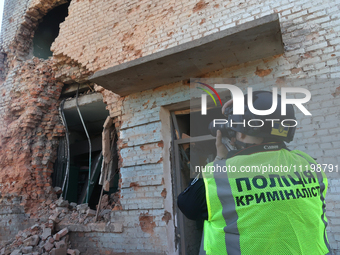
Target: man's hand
(226,105)
(220,147)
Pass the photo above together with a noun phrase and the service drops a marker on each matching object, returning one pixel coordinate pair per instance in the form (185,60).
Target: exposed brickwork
(20,21)
(68,71)
(28,113)
(29,131)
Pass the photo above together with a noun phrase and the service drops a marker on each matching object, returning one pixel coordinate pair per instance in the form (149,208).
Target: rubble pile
(44,237)
(63,212)
(40,239)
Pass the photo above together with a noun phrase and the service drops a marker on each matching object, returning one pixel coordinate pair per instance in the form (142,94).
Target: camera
(224,128)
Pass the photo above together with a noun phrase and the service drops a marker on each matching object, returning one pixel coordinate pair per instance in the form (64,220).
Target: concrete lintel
(93,111)
(83,100)
(250,41)
(71,89)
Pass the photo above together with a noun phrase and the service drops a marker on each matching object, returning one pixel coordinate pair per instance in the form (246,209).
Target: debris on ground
(42,238)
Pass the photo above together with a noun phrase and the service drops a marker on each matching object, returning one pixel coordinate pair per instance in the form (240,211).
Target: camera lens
(224,128)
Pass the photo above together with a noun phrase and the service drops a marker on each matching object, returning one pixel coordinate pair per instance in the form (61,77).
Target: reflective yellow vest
(272,212)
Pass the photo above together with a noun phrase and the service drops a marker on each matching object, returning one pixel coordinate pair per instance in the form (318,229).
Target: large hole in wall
(94,114)
(48,30)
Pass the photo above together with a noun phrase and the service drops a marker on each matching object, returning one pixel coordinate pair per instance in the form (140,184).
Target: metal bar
(175,125)
(196,139)
(101,194)
(67,172)
(178,185)
(179,190)
(94,176)
(95,172)
(90,147)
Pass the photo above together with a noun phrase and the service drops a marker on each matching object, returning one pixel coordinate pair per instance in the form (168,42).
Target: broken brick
(47,232)
(60,244)
(32,241)
(60,234)
(27,249)
(48,246)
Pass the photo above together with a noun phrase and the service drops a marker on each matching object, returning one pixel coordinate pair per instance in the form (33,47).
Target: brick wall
(101,243)
(30,130)
(28,140)
(11,20)
(12,217)
(115,32)
(99,34)
(146,185)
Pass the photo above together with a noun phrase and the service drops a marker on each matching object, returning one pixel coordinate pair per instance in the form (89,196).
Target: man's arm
(192,201)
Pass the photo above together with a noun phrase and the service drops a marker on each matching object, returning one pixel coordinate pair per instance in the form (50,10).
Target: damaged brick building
(101,90)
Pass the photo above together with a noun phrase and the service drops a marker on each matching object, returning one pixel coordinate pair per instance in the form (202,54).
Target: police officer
(272,202)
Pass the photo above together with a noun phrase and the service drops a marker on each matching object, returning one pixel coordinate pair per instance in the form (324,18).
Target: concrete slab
(71,89)
(83,100)
(93,110)
(253,40)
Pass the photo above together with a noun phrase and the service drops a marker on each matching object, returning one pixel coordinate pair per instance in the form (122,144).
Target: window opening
(48,30)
